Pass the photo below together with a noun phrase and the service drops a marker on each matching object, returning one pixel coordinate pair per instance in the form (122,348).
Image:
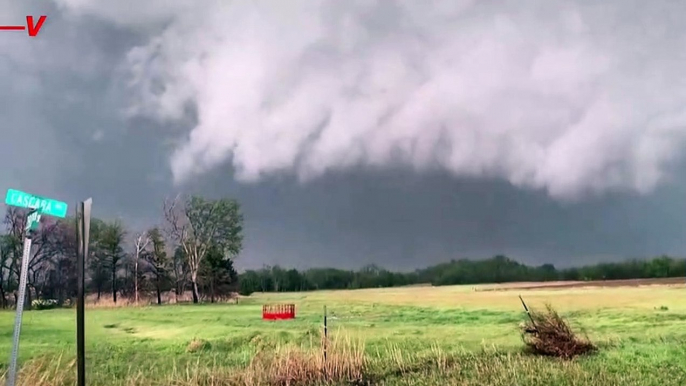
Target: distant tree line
(498,269)
(192,250)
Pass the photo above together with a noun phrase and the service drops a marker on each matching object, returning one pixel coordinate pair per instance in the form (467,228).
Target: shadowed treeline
(192,249)
(498,269)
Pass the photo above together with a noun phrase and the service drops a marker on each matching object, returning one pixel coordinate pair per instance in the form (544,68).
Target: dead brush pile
(548,334)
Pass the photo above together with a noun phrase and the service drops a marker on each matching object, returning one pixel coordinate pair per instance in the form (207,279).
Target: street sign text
(43,205)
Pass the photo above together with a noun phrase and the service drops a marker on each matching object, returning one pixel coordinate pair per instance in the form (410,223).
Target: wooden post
(528,313)
(326,334)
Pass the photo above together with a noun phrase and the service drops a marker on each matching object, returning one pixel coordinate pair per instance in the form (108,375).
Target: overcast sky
(400,133)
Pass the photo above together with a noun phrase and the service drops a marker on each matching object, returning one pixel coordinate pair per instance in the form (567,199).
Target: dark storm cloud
(32,153)
(570,97)
(64,134)
(456,158)
(404,220)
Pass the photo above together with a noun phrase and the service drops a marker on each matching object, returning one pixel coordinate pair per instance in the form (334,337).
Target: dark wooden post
(326,334)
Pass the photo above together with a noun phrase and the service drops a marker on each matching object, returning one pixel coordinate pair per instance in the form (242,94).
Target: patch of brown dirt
(579,284)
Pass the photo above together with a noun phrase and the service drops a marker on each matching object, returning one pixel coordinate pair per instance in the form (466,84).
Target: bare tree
(196,224)
(15,221)
(179,271)
(5,274)
(157,259)
(59,278)
(44,247)
(141,242)
(178,230)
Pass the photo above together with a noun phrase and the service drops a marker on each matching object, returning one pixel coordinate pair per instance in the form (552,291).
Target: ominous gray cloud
(417,132)
(63,132)
(569,97)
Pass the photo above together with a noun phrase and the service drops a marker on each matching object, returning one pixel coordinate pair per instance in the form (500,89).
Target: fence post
(326,334)
(528,313)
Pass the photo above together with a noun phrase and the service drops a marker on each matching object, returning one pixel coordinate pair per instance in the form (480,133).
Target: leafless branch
(176,223)
(141,242)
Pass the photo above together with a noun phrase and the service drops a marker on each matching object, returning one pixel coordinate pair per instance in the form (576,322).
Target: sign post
(83,219)
(38,206)
(12,374)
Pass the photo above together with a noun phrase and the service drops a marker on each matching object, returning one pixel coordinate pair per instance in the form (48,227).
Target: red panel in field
(278,311)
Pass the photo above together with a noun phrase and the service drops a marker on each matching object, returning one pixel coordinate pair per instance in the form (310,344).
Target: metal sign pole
(12,375)
(38,206)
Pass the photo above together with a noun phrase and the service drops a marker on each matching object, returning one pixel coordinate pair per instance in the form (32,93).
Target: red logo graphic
(33,28)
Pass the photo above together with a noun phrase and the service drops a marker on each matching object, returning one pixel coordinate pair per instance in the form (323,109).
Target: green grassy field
(410,336)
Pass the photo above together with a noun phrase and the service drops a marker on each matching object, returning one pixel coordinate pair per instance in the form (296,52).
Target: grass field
(408,336)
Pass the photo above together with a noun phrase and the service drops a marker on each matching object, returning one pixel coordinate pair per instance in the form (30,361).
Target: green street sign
(33,221)
(43,205)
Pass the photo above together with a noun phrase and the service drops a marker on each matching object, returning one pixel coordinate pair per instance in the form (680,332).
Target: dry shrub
(196,345)
(44,371)
(550,335)
(345,363)
(146,300)
(107,302)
